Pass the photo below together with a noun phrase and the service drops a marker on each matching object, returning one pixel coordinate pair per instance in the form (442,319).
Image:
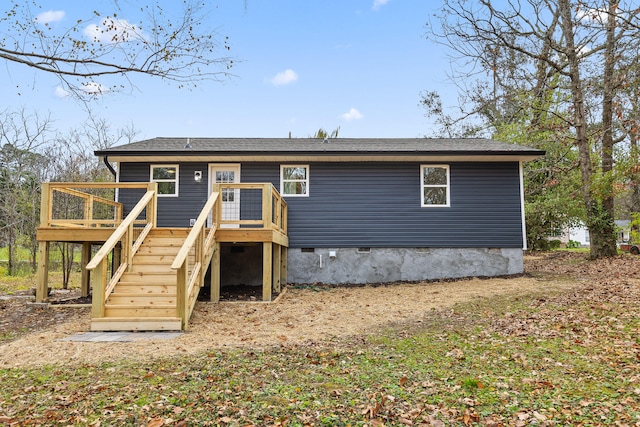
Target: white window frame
(447,186)
(282,180)
(176,180)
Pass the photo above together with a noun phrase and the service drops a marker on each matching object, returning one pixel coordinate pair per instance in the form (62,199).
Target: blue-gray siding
(173,211)
(374,204)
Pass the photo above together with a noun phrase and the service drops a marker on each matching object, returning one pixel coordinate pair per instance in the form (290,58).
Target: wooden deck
(145,277)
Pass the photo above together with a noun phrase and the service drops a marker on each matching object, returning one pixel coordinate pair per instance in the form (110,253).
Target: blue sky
(300,65)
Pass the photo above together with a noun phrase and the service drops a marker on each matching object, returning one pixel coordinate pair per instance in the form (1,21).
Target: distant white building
(623,227)
(578,233)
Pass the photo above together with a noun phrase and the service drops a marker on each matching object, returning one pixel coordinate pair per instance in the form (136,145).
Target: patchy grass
(567,359)
(570,358)
(9,285)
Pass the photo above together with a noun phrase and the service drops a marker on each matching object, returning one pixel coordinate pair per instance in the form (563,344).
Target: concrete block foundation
(378,265)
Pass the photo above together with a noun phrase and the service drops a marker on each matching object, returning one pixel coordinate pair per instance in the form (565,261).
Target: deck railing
(190,278)
(83,204)
(242,205)
(130,243)
(251,205)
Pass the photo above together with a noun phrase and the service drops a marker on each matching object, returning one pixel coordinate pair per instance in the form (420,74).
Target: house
(575,234)
(365,210)
(579,234)
(623,228)
(360,210)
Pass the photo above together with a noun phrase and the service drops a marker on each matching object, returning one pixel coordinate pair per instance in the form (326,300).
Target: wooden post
(99,279)
(181,294)
(118,215)
(216,215)
(88,211)
(277,254)
(277,205)
(285,217)
(214,293)
(116,257)
(152,207)
(267,272)
(45,204)
(43,247)
(43,272)
(42,286)
(130,241)
(86,276)
(283,266)
(200,256)
(267,207)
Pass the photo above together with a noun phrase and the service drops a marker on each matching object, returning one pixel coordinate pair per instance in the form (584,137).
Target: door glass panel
(230,197)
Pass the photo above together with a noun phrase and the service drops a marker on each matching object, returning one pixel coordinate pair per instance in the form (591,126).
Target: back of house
(359,210)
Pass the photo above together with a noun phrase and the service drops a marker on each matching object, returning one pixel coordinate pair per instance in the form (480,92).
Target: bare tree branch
(179,48)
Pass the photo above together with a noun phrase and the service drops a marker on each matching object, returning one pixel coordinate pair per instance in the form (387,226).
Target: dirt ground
(307,314)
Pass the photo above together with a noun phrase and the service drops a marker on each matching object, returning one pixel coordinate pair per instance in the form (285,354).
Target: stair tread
(150,285)
(154,262)
(156,284)
(139,306)
(150,273)
(135,319)
(141,294)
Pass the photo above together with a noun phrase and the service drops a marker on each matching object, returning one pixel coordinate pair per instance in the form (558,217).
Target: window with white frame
(434,185)
(294,180)
(167,178)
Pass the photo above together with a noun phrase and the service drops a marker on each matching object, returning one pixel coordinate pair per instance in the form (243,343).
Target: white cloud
(598,15)
(351,115)
(113,31)
(60,92)
(94,88)
(378,3)
(284,78)
(51,16)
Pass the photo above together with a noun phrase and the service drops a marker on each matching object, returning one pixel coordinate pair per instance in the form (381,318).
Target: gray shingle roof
(339,146)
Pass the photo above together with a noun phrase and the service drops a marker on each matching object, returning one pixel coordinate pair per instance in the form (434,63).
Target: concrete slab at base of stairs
(120,336)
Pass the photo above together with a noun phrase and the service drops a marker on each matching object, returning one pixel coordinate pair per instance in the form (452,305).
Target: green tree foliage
(21,171)
(31,153)
(556,75)
(323,134)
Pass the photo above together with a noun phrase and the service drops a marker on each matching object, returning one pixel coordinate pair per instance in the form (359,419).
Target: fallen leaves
(568,358)
(470,416)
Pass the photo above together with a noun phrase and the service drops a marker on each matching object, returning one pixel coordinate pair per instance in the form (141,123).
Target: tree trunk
(66,262)
(634,203)
(599,222)
(34,257)
(605,243)
(70,249)
(10,255)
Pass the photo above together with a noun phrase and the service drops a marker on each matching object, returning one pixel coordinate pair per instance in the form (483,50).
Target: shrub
(554,244)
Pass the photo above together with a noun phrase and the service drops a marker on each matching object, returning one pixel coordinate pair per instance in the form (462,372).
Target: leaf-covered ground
(568,356)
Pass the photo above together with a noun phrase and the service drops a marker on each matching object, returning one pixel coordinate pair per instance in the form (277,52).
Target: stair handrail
(204,242)
(130,245)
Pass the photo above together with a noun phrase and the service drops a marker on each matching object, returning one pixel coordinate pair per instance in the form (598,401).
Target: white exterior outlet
(192,222)
(332,254)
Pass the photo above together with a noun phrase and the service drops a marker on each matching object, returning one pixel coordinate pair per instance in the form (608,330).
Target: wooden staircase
(145,296)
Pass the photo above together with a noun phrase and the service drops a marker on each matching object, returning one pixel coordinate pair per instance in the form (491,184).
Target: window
(167,178)
(435,185)
(294,180)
